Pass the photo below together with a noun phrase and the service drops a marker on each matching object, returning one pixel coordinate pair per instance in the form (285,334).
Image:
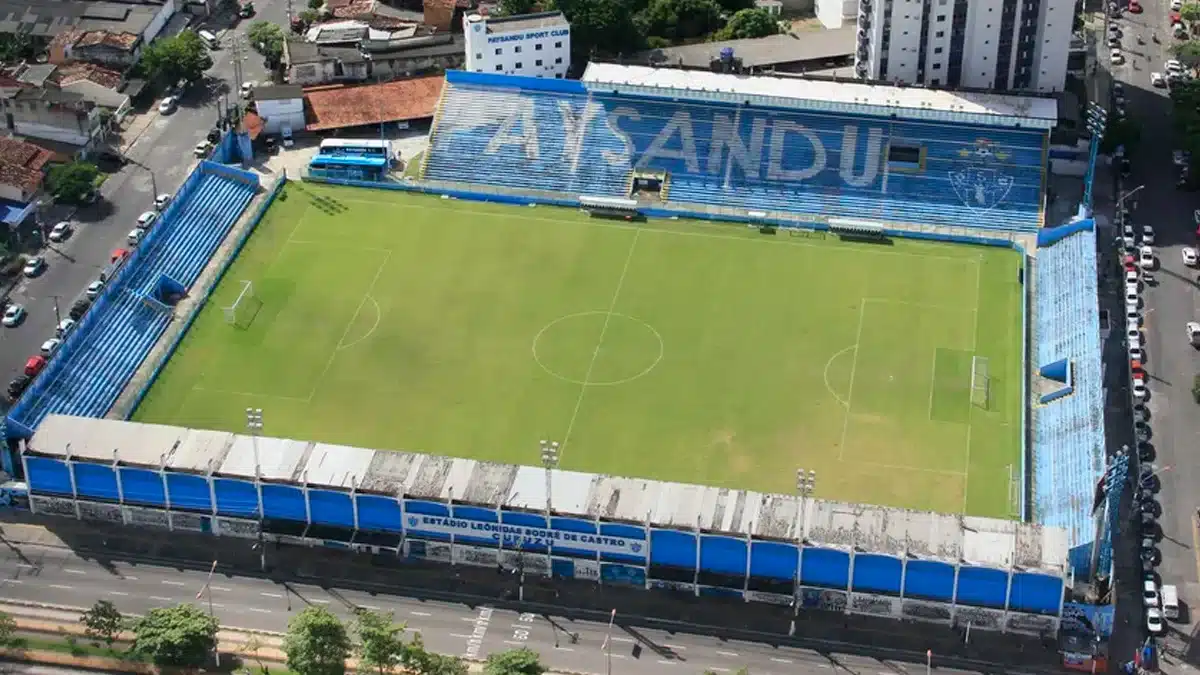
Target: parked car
(1116,57)
(60,231)
(135,236)
(1154,621)
(80,308)
(1157,80)
(18,385)
(34,266)
(147,219)
(1146,257)
(1139,388)
(161,201)
(1189,256)
(94,289)
(167,105)
(1135,7)
(64,328)
(50,346)
(202,149)
(13,315)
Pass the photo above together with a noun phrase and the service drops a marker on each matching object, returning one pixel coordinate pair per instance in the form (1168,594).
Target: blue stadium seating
(92,368)
(1068,433)
(517,132)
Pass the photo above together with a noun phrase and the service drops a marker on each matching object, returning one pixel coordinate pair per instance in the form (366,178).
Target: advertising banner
(587,569)
(516,536)
(771,598)
(478,557)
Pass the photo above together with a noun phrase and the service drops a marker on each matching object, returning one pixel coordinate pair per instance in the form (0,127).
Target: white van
(210,39)
(1170,601)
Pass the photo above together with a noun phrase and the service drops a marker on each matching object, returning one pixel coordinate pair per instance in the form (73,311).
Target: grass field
(687,351)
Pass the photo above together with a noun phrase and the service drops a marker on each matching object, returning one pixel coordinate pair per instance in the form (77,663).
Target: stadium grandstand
(962,167)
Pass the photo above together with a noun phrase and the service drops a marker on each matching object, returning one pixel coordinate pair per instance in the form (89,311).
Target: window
(558,60)
(479,56)
(904,156)
(499,67)
(519,47)
(558,76)
(941,18)
(519,65)
(936,82)
(558,45)
(537,47)
(937,66)
(499,51)
(940,34)
(937,50)
(538,62)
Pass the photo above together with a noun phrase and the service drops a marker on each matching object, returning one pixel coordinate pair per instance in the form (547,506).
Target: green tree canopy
(103,622)
(316,643)
(267,39)
(515,7)
(181,636)
(1190,11)
(1187,52)
(520,661)
(603,27)
(8,628)
(181,57)
(1120,131)
(380,640)
(678,20)
(417,659)
(749,23)
(72,183)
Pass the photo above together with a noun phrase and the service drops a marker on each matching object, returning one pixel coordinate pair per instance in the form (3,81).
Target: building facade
(54,115)
(533,45)
(281,108)
(987,44)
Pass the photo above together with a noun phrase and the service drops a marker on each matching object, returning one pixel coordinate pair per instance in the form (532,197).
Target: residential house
(109,29)
(103,86)
(22,170)
(118,50)
(397,53)
(54,115)
(309,64)
(281,108)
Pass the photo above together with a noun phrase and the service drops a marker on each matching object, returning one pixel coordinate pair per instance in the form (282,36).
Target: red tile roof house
(22,173)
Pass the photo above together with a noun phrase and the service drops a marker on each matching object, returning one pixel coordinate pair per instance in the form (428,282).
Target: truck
(1170,601)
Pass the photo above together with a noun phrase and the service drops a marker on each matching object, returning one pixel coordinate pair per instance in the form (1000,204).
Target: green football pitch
(674,350)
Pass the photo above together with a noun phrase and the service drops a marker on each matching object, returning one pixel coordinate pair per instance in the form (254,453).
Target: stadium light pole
(254,424)
(806,482)
(550,461)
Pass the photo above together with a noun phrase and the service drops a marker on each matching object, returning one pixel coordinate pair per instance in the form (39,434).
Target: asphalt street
(1169,305)
(58,576)
(160,149)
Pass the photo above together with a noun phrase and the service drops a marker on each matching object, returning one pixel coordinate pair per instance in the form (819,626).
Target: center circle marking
(606,316)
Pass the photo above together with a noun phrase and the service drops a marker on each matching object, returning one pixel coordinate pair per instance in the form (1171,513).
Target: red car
(1175,17)
(1135,7)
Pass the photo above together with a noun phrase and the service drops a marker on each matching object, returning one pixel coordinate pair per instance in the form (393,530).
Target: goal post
(241,312)
(980,382)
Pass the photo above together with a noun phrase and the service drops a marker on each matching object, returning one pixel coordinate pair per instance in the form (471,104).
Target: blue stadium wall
(776,572)
(573,138)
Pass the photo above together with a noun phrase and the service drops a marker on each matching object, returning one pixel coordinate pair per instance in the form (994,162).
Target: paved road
(1171,362)
(160,147)
(58,576)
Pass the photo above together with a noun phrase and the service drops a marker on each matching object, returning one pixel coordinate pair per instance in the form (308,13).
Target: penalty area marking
(369,333)
(829,386)
(590,382)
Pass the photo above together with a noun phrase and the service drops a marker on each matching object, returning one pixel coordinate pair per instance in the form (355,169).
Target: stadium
(799,342)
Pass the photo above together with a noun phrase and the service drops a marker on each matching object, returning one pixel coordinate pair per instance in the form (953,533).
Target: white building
(989,44)
(281,108)
(536,45)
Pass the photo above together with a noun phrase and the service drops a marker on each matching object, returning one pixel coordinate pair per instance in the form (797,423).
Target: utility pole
(208,588)
(57,316)
(254,424)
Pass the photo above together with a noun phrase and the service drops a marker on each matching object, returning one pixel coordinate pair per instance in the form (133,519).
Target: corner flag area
(687,351)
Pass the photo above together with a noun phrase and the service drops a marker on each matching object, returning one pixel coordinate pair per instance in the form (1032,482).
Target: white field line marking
(587,376)
(970,407)
(901,467)
(249,394)
(334,244)
(369,333)
(349,325)
(683,233)
(862,309)
(921,305)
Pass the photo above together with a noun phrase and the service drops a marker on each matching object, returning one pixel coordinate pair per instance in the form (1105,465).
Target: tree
(181,636)
(103,622)
(267,39)
(1187,52)
(749,23)
(604,27)
(520,661)
(253,645)
(515,7)
(678,20)
(316,643)
(310,16)
(72,183)
(1190,12)
(316,4)
(8,628)
(1120,131)
(380,640)
(181,57)
(416,659)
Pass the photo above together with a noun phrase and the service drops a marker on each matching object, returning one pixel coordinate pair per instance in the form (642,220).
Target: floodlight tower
(806,482)
(1097,120)
(254,424)
(550,461)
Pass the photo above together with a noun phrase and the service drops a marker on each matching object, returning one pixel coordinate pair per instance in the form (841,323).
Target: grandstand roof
(844,97)
(740,513)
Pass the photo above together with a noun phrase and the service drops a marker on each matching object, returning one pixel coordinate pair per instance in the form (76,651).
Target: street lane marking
(60,587)
(617,656)
(117,593)
(667,663)
(220,588)
(71,571)
(717,669)
(220,606)
(260,610)
(460,635)
(513,642)
(622,639)
(778,660)
(565,649)
(674,647)
(726,653)
(127,578)
(420,613)
(175,583)
(468,619)
(270,595)
(320,602)
(373,608)
(12,581)
(160,598)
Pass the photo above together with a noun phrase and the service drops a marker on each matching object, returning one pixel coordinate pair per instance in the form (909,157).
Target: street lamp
(1127,195)
(254,424)
(208,587)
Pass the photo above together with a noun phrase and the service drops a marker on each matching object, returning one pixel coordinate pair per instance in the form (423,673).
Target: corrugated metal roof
(738,513)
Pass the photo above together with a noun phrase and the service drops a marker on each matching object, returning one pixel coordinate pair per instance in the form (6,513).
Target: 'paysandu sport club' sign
(532,35)
(517,535)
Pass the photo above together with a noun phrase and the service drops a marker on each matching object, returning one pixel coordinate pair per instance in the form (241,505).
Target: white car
(1154,621)
(1176,5)
(135,236)
(64,328)
(1147,235)
(94,288)
(1149,593)
(161,201)
(1190,257)
(167,106)
(1131,277)
(147,219)
(60,231)
(1173,66)
(1157,80)
(50,346)
(202,149)
(14,315)
(247,90)
(34,266)
(1131,294)
(1193,332)
(1116,57)
(1139,388)
(1146,257)
(1136,354)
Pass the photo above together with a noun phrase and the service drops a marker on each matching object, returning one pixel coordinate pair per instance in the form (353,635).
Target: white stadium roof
(740,513)
(859,98)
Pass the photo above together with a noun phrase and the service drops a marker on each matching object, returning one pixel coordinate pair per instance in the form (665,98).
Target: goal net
(980,382)
(241,313)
